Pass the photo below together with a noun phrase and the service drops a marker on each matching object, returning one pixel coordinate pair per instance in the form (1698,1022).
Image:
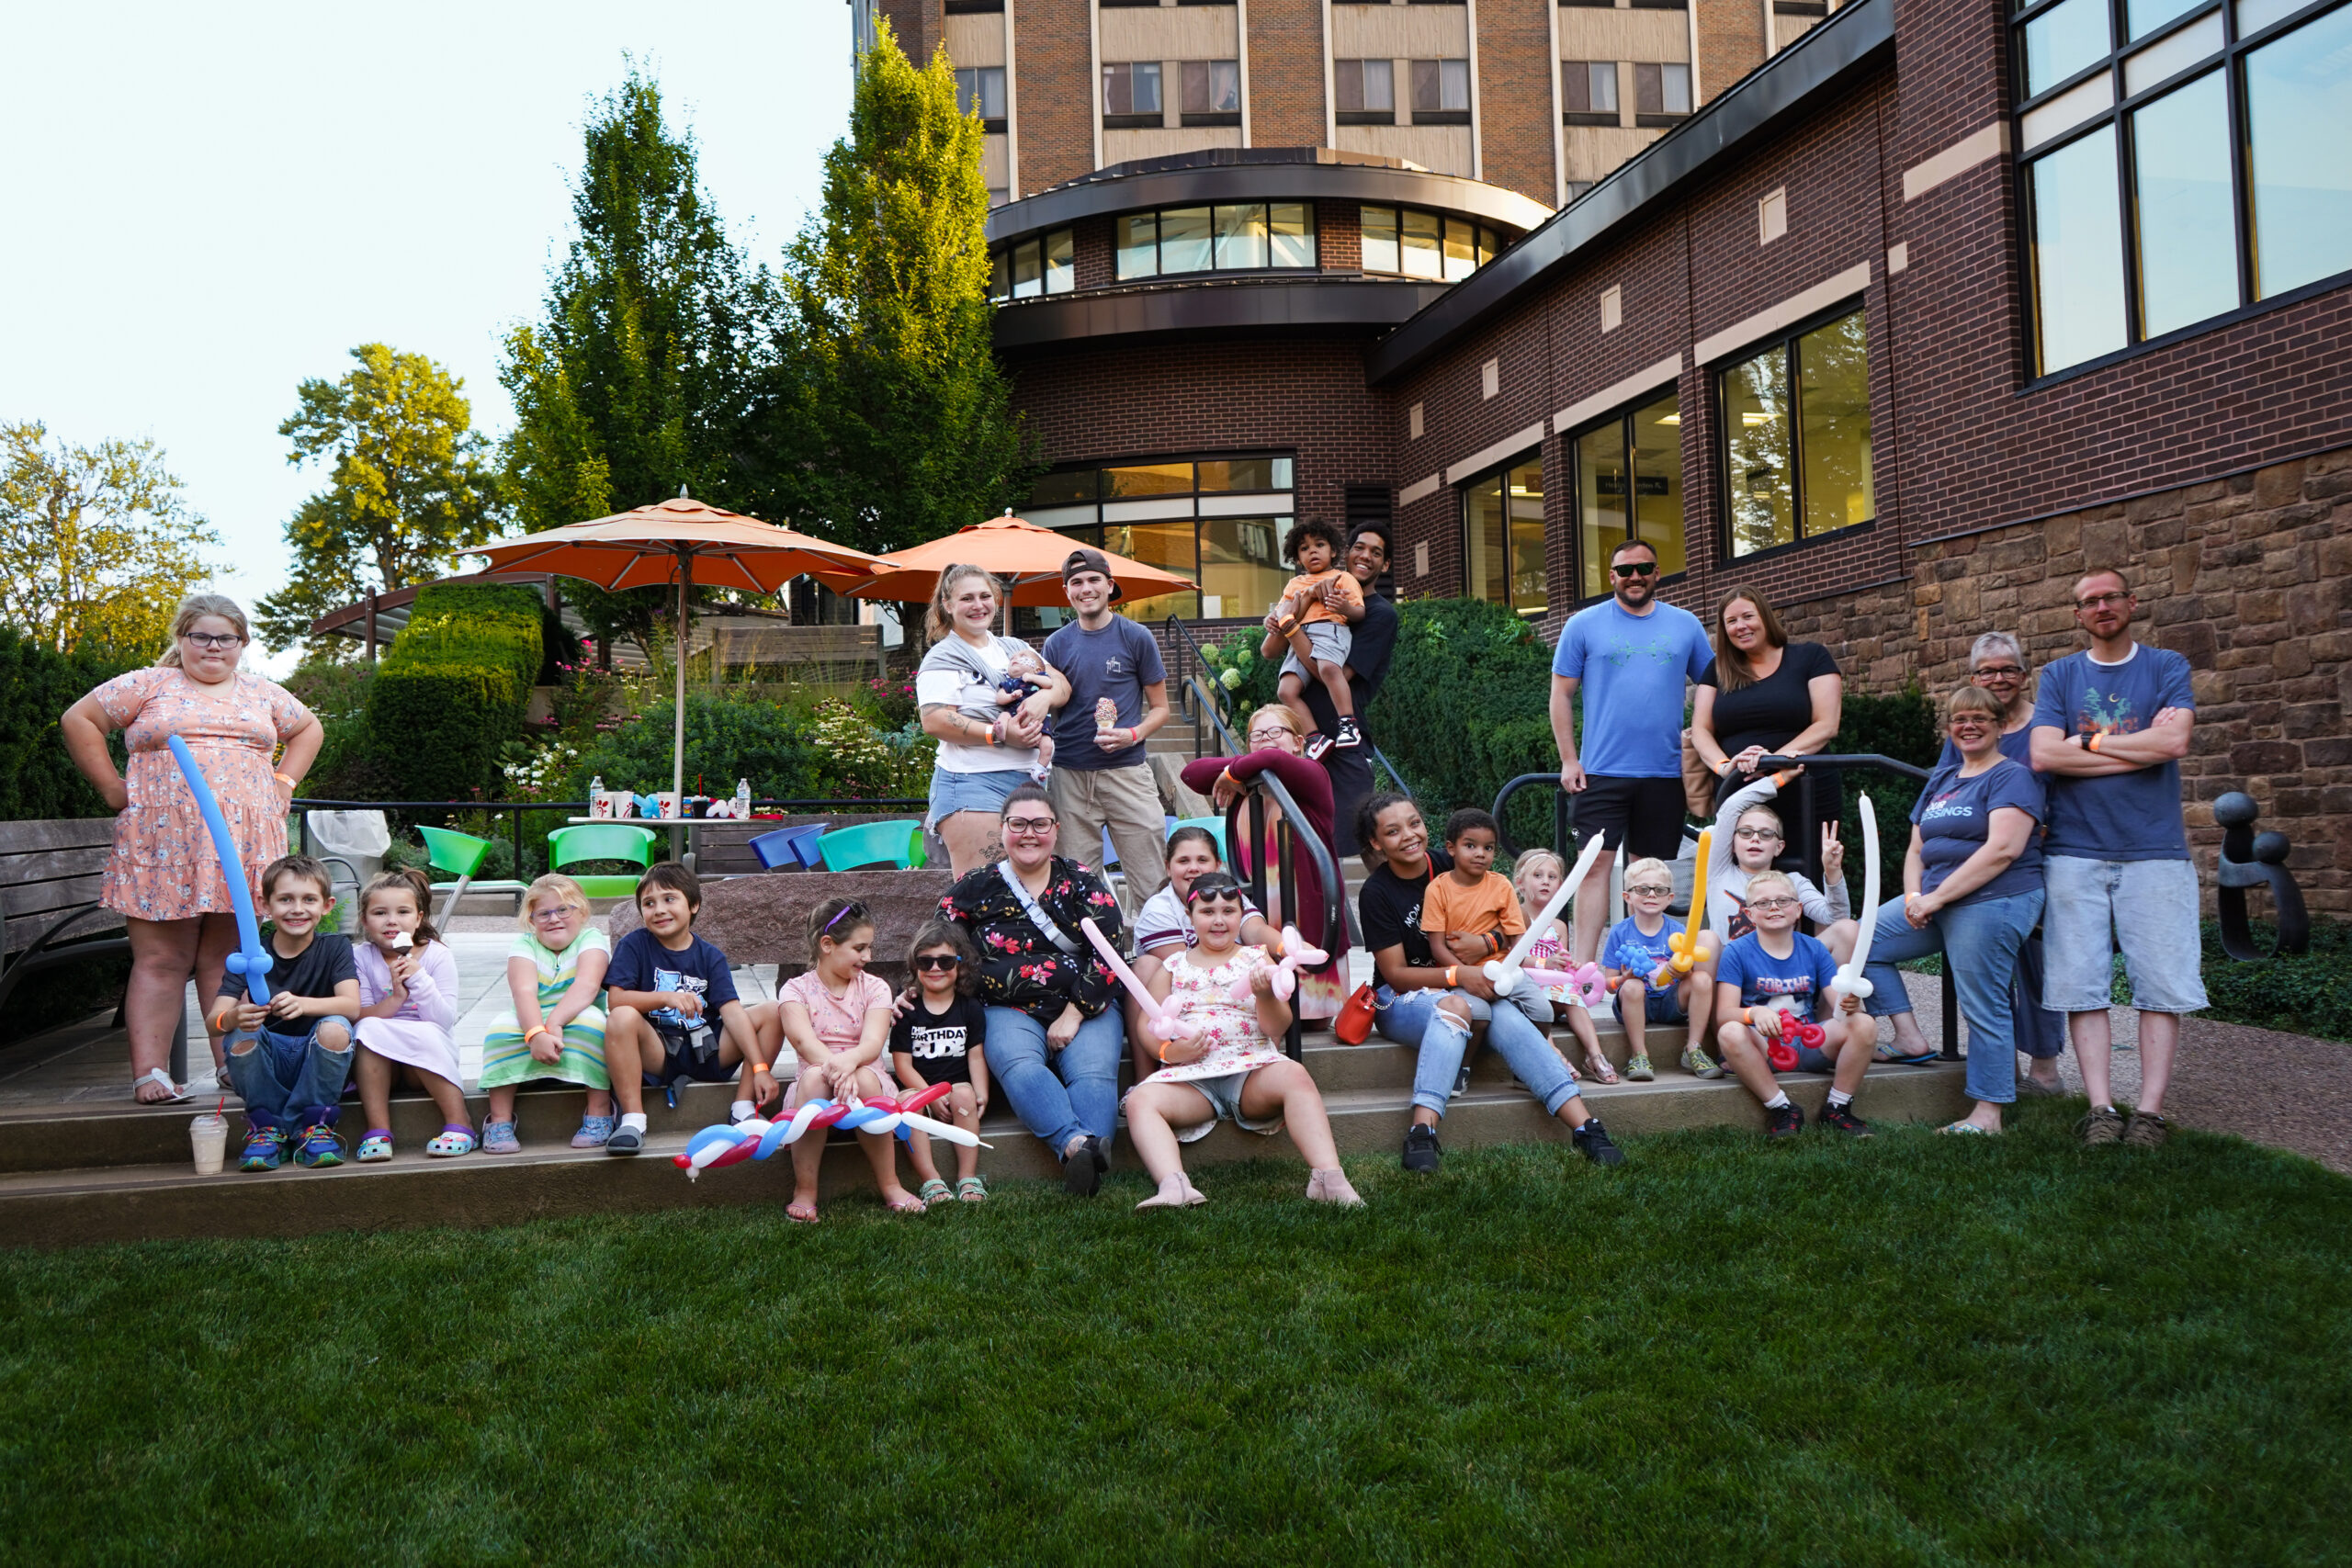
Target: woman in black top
(1765,695)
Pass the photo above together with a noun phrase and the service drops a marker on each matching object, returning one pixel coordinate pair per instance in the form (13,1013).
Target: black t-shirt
(315,971)
(1391,910)
(937,1041)
(1772,712)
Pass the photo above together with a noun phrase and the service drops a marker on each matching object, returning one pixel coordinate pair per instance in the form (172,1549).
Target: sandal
(1601,1071)
(498,1138)
(452,1141)
(375,1146)
(594,1133)
(1638,1069)
(972,1190)
(173,1093)
(1921,1060)
(932,1191)
(1969,1129)
(910,1205)
(801,1213)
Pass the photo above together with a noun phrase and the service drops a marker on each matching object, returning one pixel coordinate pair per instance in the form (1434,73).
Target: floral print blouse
(1020,968)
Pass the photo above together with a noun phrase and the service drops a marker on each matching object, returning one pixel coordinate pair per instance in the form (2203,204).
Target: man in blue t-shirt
(2110,725)
(1630,659)
(1118,695)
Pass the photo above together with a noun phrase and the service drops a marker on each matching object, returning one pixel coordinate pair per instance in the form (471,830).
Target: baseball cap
(1089,560)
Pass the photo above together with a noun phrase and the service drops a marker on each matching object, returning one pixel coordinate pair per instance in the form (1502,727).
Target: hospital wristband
(221,1023)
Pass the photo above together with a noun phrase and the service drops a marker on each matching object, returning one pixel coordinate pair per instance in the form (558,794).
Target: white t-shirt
(944,676)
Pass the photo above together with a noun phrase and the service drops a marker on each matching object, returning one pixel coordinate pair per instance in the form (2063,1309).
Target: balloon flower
(756,1138)
(252,959)
(1296,955)
(1504,973)
(1585,986)
(1850,980)
(1783,1055)
(1163,1020)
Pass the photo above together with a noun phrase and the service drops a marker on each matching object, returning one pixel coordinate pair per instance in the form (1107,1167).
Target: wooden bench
(50,913)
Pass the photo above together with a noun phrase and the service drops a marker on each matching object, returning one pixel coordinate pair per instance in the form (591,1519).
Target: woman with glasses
(165,878)
(1765,696)
(1278,746)
(1972,889)
(1054,1036)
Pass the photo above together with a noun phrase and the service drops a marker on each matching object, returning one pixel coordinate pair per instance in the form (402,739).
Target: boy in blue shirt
(291,1069)
(1777,969)
(664,988)
(1638,960)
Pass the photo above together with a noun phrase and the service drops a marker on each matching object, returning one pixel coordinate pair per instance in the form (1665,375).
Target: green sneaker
(1695,1063)
(1637,1069)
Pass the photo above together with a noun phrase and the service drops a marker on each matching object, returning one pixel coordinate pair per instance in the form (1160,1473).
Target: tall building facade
(1537,97)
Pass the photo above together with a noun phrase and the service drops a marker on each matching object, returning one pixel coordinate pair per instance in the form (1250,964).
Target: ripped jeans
(1414,1018)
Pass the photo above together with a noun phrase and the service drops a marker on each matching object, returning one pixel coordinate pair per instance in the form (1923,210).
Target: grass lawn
(1916,1349)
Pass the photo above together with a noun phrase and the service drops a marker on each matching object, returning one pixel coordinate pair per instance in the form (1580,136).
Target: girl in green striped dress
(556,1029)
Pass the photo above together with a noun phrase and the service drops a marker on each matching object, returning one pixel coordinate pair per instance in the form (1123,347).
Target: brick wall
(1515,96)
(1285,46)
(1053,53)
(1731,42)
(921,25)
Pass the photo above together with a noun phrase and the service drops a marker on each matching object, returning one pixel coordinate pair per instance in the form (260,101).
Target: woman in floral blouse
(1054,1037)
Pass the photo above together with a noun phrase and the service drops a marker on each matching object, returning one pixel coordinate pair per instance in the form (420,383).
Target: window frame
(993,125)
(1207,69)
(1091,533)
(1503,471)
(1362,115)
(1441,115)
(1589,115)
(1479,234)
(1159,268)
(1133,119)
(2229,61)
(1622,418)
(1785,340)
(1004,258)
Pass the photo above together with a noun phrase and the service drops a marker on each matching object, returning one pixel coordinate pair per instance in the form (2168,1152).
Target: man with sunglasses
(2109,728)
(1630,659)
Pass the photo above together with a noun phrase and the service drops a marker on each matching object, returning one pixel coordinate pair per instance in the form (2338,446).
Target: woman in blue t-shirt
(1972,889)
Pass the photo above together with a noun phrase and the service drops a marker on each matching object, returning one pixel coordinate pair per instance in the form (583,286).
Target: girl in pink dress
(408,996)
(836,1019)
(1233,1069)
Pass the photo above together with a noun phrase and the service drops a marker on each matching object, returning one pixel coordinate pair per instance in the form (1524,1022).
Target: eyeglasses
(214,641)
(1268,736)
(1971,721)
(1771,903)
(1031,824)
(930,962)
(1648,890)
(1996,673)
(1636,568)
(1761,835)
(551,916)
(2101,601)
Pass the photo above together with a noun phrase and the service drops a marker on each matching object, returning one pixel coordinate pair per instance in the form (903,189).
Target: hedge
(36,686)
(453,688)
(1467,708)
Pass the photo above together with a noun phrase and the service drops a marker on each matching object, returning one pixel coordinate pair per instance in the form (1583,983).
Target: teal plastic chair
(460,855)
(894,845)
(600,840)
(1216,826)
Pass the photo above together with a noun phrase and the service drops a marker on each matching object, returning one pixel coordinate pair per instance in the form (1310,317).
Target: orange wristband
(1452,972)
(537,1031)
(2094,740)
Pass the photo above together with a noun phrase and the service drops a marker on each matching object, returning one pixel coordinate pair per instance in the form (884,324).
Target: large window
(1041,266)
(1502,517)
(1364,91)
(1629,486)
(1440,91)
(1131,94)
(1219,521)
(1423,245)
(2186,158)
(1246,236)
(979,90)
(1797,437)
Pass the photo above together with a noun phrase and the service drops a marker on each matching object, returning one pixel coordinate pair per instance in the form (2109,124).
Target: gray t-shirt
(1117,661)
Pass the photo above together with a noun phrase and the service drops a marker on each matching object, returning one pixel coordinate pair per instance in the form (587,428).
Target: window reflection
(1217,520)
(1834,434)
(2187,240)
(2299,113)
(2077,252)
(1758,471)
(1503,524)
(1601,498)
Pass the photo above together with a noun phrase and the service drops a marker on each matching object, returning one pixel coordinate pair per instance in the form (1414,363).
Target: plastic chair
(1216,826)
(1110,853)
(789,849)
(460,855)
(600,840)
(896,845)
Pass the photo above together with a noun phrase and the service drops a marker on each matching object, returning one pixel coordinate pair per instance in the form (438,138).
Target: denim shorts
(2146,907)
(953,792)
(1658,1007)
(1224,1095)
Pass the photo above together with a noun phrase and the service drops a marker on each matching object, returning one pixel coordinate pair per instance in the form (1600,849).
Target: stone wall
(2249,576)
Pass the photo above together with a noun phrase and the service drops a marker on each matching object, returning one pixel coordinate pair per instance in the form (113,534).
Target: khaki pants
(1126,801)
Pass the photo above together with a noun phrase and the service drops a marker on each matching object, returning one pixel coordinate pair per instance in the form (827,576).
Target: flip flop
(1969,1129)
(801,1213)
(1921,1060)
(173,1093)
(909,1206)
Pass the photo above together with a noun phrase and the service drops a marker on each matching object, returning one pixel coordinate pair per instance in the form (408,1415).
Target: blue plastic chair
(789,849)
(1215,825)
(898,845)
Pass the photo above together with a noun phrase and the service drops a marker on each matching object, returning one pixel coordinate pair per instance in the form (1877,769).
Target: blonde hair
(1766,876)
(194,608)
(1646,865)
(1530,862)
(936,621)
(567,896)
(1288,719)
(1971,699)
(1766,812)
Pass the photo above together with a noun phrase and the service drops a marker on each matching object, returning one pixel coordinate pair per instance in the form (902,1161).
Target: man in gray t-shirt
(1102,778)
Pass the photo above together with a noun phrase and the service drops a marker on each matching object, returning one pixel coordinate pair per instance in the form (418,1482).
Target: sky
(214,202)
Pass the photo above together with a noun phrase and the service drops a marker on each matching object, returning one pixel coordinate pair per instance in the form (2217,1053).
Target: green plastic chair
(898,845)
(600,840)
(460,855)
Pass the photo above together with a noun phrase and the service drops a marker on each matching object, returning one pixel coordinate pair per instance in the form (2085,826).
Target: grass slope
(1916,1349)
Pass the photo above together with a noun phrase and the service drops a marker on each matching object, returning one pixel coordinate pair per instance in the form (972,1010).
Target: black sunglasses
(1636,568)
(929,961)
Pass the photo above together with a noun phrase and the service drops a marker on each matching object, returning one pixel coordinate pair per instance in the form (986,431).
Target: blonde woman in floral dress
(1233,1069)
(164,878)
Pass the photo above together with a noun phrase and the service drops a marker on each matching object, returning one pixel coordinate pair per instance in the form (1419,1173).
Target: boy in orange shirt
(1471,913)
(1317,634)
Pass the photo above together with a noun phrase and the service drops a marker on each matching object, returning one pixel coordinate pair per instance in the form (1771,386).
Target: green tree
(97,545)
(636,378)
(891,417)
(409,488)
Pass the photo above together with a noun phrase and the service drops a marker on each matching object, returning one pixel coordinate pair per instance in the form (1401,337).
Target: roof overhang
(1303,304)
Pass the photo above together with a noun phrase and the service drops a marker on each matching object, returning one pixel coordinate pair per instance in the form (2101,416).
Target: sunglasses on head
(936,961)
(1636,568)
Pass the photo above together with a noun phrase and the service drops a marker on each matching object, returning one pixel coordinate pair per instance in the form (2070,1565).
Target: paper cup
(666,802)
(209,1135)
(616,802)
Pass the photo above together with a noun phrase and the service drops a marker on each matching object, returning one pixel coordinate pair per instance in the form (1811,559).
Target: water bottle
(596,795)
(742,800)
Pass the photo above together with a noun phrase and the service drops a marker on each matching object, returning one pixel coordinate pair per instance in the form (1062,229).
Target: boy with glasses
(1630,660)
(2109,728)
(1638,960)
(1769,985)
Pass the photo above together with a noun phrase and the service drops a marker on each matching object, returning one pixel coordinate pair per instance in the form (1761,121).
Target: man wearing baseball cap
(1118,697)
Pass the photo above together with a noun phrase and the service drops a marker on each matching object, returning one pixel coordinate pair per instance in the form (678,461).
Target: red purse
(1353,1026)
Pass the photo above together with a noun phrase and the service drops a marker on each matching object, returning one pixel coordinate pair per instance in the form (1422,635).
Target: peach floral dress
(164,867)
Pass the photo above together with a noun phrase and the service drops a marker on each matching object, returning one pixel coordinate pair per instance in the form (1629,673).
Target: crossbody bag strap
(1037,916)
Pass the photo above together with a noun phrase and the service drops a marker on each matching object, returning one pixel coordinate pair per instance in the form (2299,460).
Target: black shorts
(943,1069)
(680,1060)
(1642,816)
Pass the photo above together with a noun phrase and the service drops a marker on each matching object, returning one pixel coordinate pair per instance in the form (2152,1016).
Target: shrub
(1467,709)
(453,689)
(1243,680)
(766,742)
(1901,727)
(2307,994)
(36,686)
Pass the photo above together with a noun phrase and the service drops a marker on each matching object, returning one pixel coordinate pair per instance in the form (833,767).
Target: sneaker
(594,1133)
(1421,1151)
(626,1140)
(1842,1117)
(320,1146)
(2102,1127)
(2034,1089)
(498,1138)
(1317,744)
(264,1147)
(1637,1069)
(1784,1121)
(2147,1131)
(1695,1063)
(1593,1141)
(1350,736)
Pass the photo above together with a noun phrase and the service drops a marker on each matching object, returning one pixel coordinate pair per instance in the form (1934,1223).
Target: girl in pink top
(836,1019)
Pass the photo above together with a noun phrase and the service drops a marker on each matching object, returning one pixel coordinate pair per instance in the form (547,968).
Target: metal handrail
(1219,710)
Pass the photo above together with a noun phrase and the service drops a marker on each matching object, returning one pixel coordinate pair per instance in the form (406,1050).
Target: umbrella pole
(678,732)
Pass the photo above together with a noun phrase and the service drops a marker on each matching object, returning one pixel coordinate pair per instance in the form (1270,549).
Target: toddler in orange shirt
(1317,634)
(1471,913)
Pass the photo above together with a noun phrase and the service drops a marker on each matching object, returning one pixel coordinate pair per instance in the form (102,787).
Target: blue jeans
(1413,1019)
(2041,1031)
(289,1081)
(1059,1094)
(1980,940)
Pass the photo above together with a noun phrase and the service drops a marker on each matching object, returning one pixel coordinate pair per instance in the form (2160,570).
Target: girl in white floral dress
(1234,1069)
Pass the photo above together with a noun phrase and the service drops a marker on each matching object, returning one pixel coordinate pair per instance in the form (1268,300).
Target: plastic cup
(209,1135)
(666,802)
(616,802)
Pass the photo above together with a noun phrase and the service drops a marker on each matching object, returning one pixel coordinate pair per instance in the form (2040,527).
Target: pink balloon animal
(1164,1020)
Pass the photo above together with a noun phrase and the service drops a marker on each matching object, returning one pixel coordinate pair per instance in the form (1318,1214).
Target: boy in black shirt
(938,1039)
(291,1068)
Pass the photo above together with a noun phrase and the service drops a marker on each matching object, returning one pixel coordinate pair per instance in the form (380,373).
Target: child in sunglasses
(939,1040)
(1637,957)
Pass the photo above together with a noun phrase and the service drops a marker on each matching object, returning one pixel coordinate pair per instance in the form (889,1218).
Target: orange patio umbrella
(1025,558)
(681,541)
